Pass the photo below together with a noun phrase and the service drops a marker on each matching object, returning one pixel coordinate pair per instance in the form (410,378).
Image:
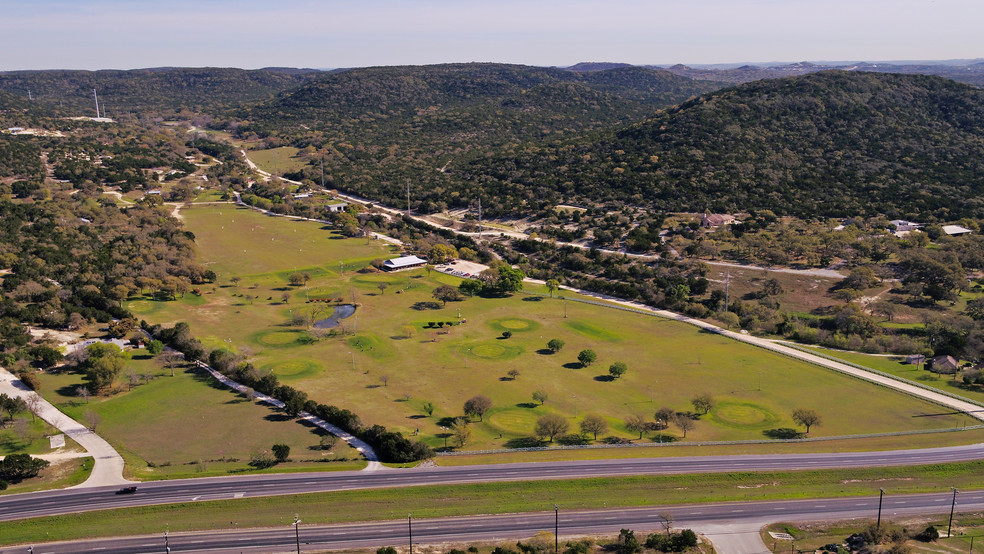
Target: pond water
(342,311)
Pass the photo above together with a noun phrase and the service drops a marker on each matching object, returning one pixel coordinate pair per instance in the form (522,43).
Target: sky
(127,34)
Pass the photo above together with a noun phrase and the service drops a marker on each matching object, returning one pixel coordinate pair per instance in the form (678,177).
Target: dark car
(127,490)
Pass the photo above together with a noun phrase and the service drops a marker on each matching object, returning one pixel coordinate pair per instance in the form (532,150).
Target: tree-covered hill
(829,143)
(158,90)
(376,127)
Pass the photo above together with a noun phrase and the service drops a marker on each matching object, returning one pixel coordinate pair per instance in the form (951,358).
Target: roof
(405,261)
(945,362)
(956,230)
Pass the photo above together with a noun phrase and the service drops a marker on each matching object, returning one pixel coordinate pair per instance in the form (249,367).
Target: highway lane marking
(195,498)
(238,495)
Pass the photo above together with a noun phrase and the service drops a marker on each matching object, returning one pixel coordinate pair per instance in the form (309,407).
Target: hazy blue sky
(94,34)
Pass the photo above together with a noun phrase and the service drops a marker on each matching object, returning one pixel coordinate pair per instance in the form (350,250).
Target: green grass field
(387,377)
(150,426)
(279,159)
(894,365)
(486,498)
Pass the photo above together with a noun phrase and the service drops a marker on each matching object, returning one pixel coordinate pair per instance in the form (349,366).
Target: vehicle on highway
(127,490)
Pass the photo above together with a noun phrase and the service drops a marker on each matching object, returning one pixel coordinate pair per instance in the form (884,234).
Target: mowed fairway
(189,426)
(387,377)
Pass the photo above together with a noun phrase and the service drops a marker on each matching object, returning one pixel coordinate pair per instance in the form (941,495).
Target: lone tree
(382,287)
(664,416)
(281,452)
(551,425)
(617,369)
(685,424)
(593,424)
(477,406)
(587,357)
(540,395)
(552,286)
(555,345)
(636,423)
(807,418)
(461,431)
(446,294)
(513,374)
(702,403)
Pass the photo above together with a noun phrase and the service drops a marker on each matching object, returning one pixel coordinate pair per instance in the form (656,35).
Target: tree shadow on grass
(277,417)
(783,433)
(604,378)
(524,442)
(527,405)
(506,379)
(417,416)
(574,365)
(445,421)
(532,298)
(544,352)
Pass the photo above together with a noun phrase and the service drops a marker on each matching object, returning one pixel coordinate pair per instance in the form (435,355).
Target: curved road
(735,523)
(223,488)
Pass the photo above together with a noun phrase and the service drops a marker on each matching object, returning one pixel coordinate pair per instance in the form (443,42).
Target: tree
(617,370)
(587,357)
(513,374)
(155,347)
(171,358)
(663,417)
(636,423)
(92,419)
(551,425)
(555,345)
(506,334)
(442,253)
(771,287)
(594,424)
(702,403)
(17,467)
(298,278)
(627,542)
(382,287)
(327,442)
(477,406)
(685,424)
(284,298)
(446,293)
(384,379)
(83,392)
(428,408)
(807,418)
(461,431)
(471,287)
(552,286)
(540,395)
(281,452)
(35,403)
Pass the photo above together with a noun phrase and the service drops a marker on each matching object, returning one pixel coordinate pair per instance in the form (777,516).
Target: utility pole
(556,528)
(953,504)
(727,288)
(479,218)
(410,530)
(96,98)
(881,494)
(408,197)
(29,95)
(322,172)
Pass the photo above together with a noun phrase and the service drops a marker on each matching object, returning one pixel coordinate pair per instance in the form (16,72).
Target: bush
(386,550)
(506,334)
(928,534)
(281,452)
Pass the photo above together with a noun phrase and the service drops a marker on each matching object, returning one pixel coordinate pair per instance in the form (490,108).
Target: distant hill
(585,67)
(157,89)
(832,143)
(970,72)
(379,126)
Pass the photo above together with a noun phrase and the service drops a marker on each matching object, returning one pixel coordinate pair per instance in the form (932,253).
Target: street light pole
(565,308)
(410,529)
(353,360)
(297,533)
(881,494)
(953,504)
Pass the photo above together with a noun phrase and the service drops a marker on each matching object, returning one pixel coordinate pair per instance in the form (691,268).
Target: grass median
(508,497)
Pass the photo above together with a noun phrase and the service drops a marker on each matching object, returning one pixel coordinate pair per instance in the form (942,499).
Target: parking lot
(462,268)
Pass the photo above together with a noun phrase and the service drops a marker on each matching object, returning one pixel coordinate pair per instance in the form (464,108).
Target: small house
(915,359)
(337,207)
(944,364)
(715,220)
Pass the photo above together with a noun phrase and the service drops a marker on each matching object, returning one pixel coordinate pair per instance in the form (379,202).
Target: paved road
(720,521)
(223,488)
(107,468)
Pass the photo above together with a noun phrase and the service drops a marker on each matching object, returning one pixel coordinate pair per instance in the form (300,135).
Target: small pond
(342,311)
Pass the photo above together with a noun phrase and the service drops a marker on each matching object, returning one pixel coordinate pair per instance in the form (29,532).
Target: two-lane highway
(222,488)
(740,516)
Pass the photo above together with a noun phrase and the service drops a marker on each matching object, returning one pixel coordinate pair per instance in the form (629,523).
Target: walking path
(107,467)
